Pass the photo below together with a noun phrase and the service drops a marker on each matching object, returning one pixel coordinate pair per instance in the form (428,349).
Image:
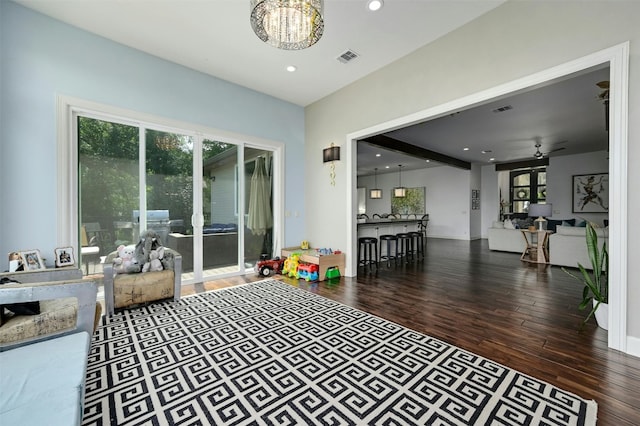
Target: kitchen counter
(374,222)
(376,227)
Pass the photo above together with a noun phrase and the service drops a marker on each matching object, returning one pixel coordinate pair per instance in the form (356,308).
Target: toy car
(267,267)
(307,271)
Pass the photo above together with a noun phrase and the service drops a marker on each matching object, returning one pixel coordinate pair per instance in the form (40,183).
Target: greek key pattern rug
(268,353)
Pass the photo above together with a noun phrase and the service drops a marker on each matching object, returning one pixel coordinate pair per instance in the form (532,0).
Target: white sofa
(568,246)
(503,239)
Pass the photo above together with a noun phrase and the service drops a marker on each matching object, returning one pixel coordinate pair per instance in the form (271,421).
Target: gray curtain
(260,216)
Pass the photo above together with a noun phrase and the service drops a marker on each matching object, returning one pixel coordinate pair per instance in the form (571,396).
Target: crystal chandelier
(288,24)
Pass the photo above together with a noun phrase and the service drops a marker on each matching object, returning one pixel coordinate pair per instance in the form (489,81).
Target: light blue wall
(42,58)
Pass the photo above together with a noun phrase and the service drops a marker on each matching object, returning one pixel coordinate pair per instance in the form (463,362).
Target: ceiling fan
(539,154)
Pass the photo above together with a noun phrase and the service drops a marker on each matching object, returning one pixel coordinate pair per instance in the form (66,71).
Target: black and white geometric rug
(268,353)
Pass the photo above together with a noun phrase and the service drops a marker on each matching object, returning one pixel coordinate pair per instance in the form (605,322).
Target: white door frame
(617,57)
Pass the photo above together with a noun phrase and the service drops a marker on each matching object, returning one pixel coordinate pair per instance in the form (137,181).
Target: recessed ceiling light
(485,151)
(492,159)
(386,167)
(291,68)
(378,155)
(428,161)
(374,5)
(465,148)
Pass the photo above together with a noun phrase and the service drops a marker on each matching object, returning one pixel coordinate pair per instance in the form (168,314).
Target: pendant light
(375,193)
(400,191)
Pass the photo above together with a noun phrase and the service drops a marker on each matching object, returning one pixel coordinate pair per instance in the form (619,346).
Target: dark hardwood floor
(521,315)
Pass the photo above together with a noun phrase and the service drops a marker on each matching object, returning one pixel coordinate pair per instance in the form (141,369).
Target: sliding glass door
(221,225)
(109,187)
(168,170)
(258,236)
(237,207)
(133,177)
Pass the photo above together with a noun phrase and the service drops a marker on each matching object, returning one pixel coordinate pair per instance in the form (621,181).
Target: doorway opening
(617,59)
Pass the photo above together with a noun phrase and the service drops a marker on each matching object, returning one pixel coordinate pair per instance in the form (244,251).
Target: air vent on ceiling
(347,56)
(503,108)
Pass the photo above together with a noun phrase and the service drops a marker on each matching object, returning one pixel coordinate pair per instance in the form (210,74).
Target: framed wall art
(31,260)
(412,203)
(475,199)
(64,257)
(591,193)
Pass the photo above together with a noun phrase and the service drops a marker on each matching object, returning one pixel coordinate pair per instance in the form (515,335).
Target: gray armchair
(43,357)
(126,290)
(66,307)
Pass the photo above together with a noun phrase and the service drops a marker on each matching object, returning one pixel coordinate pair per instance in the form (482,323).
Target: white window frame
(68,108)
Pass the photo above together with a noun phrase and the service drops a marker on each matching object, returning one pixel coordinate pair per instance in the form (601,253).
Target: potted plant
(596,283)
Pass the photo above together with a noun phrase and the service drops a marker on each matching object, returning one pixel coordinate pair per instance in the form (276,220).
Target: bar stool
(422,227)
(405,248)
(388,238)
(368,246)
(417,243)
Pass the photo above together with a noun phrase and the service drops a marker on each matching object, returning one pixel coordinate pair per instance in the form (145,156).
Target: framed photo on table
(64,257)
(15,261)
(591,193)
(31,260)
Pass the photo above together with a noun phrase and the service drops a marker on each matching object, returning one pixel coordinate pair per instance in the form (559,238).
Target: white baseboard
(449,237)
(633,346)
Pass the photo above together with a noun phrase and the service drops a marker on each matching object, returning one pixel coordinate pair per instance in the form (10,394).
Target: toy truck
(307,271)
(267,267)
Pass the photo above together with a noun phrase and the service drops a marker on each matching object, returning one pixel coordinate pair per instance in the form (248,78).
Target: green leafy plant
(596,282)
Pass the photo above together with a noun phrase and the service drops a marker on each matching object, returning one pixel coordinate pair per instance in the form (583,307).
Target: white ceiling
(215,37)
(567,117)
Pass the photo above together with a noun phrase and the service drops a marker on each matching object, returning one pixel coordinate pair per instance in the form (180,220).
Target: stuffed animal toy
(149,241)
(155,260)
(126,263)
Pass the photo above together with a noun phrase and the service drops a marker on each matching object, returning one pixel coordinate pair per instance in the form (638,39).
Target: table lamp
(541,211)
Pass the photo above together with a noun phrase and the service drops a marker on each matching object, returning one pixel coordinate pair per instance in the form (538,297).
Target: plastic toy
(307,272)
(290,266)
(266,267)
(333,272)
(324,251)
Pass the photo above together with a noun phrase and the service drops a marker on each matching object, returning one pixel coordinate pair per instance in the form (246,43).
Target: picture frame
(590,193)
(475,199)
(32,260)
(15,261)
(64,257)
